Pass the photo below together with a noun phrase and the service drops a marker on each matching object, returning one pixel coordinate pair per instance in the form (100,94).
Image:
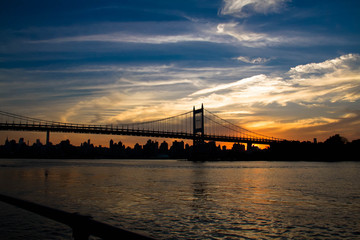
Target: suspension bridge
(198,125)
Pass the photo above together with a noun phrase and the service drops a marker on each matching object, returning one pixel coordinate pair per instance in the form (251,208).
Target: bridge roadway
(109,130)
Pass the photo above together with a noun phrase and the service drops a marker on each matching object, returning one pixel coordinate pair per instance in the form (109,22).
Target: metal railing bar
(82,226)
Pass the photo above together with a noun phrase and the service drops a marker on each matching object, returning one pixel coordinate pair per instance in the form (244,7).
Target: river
(173,199)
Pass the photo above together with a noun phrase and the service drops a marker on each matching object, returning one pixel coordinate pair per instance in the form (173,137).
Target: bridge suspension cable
(219,126)
(178,123)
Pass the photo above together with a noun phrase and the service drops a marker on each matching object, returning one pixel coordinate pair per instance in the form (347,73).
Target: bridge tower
(47,137)
(198,125)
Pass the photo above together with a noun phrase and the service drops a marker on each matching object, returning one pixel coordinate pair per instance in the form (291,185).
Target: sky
(283,68)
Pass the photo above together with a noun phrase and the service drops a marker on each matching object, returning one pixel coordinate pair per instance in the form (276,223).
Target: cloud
(240,34)
(258,60)
(246,8)
(161,33)
(340,64)
(335,80)
(242,82)
(147,32)
(213,32)
(127,38)
(249,39)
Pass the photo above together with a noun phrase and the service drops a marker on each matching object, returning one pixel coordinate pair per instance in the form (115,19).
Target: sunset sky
(288,69)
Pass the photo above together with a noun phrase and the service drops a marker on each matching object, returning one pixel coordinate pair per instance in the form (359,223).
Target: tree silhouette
(336,139)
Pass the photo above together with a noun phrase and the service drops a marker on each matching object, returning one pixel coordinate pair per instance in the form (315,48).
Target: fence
(82,226)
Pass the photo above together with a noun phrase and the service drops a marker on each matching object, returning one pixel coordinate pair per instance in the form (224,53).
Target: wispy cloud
(128,38)
(246,36)
(227,33)
(242,82)
(249,38)
(335,80)
(257,60)
(158,83)
(245,8)
(343,63)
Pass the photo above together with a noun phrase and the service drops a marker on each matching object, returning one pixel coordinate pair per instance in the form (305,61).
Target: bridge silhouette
(198,125)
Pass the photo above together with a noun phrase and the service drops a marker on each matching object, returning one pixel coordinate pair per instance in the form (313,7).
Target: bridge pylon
(47,137)
(198,125)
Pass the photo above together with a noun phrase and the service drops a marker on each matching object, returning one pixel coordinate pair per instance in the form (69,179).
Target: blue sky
(288,69)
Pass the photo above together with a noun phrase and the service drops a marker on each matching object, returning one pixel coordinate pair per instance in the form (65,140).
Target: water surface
(170,199)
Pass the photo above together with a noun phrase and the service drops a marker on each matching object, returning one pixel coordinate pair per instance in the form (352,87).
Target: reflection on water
(185,200)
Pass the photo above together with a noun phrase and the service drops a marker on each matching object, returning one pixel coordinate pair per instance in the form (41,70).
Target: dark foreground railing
(82,226)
